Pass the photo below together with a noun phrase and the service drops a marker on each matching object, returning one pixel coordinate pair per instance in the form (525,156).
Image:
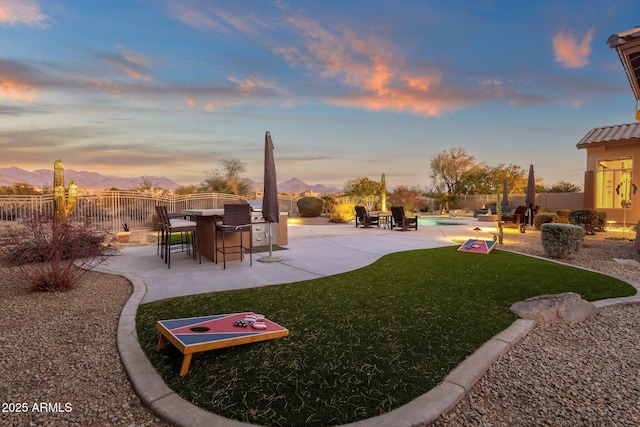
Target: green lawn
(360,343)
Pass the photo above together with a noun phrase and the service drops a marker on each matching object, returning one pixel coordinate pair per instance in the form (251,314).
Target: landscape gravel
(59,364)
(586,374)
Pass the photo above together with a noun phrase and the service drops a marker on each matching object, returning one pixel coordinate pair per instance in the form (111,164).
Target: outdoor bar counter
(209,239)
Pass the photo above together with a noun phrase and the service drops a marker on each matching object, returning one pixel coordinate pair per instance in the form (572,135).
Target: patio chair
(515,219)
(237,219)
(399,219)
(363,218)
(187,230)
(174,218)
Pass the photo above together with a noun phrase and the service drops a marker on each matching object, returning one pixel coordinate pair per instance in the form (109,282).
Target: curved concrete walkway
(313,251)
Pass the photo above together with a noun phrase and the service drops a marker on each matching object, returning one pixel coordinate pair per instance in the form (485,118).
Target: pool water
(437,221)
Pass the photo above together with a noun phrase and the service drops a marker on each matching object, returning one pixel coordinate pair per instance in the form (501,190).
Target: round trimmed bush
(561,240)
(602,222)
(544,218)
(586,218)
(309,207)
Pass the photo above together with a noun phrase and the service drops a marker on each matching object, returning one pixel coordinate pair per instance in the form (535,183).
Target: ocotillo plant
(63,205)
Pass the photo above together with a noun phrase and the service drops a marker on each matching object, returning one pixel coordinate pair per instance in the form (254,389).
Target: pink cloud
(22,12)
(373,71)
(248,85)
(130,64)
(15,90)
(570,52)
(371,66)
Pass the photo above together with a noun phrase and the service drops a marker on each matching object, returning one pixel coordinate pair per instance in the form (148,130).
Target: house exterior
(613,154)
(627,44)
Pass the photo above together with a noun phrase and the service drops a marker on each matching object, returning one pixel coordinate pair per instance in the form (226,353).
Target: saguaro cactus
(383,193)
(63,205)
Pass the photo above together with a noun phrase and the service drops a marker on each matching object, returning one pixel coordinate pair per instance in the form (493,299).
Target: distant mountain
(84,179)
(294,185)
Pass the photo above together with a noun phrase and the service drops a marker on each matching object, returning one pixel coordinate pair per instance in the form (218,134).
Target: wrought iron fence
(112,209)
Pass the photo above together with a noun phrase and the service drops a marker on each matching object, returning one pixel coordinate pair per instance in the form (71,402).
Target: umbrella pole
(270,240)
(270,257)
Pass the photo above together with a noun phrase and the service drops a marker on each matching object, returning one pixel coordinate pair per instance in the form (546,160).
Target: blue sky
(346,88)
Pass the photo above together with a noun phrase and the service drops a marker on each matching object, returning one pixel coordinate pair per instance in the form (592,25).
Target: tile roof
(602,135)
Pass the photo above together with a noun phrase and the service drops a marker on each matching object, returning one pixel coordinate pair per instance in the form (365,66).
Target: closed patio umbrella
(505,194)
(270,207)
(530,198)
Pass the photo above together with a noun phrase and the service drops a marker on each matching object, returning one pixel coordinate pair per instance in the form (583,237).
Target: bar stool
(188,231)
(237,219)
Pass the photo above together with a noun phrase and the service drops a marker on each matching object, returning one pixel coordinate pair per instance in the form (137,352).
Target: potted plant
(123,236)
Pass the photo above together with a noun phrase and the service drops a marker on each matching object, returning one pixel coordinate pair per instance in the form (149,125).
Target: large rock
(568,307)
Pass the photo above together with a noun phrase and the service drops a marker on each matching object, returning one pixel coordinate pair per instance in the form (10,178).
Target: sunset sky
(347,88)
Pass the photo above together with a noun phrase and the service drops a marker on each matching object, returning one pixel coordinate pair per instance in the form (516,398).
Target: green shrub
(586,218)
(544,218)
(561,240)
(343,212)
(563,216)
(601,224)
(309,207)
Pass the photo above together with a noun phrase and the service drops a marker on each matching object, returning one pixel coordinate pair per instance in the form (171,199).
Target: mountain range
(294,185)
(84,179)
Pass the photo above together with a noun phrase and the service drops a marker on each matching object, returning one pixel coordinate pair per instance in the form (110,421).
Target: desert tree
(227,178)
(448,171)
(485,179)
(365,189)
(564,187)
(409,197)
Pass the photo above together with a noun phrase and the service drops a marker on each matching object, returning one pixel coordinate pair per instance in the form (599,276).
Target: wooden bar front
(209,239)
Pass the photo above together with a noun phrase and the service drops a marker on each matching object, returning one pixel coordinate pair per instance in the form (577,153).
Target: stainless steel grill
(256,210)
(261,230)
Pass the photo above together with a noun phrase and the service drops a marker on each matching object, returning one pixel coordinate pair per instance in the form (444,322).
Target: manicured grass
(361,343)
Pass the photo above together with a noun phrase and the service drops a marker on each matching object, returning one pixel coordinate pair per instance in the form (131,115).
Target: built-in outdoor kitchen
(209,240)
(262,231)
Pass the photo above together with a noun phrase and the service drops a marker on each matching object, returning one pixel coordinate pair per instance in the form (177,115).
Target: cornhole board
(477,246)
(196,334)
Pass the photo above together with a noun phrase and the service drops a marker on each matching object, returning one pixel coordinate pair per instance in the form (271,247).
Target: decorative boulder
(567,307)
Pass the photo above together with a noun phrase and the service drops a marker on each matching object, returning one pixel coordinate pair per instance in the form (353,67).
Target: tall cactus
(63,205)
(383,193)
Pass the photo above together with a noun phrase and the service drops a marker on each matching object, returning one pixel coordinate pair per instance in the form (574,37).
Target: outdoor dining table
(208,240)
(384,218)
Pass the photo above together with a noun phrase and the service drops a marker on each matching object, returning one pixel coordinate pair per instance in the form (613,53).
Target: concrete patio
(313,251)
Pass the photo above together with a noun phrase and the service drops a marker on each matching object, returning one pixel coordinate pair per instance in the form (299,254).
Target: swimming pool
(441,221)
